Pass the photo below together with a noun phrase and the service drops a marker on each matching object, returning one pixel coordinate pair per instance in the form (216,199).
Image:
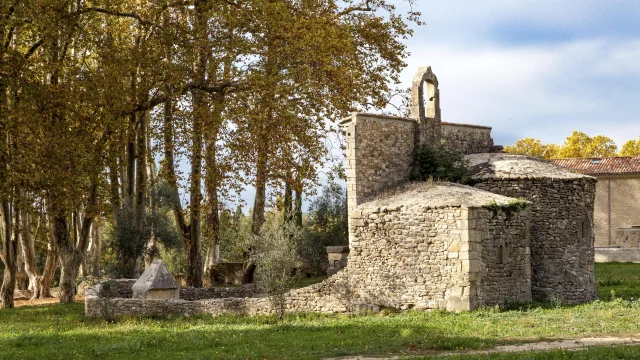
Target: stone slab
(605,255)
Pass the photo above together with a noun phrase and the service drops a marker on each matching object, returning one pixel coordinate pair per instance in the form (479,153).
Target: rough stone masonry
(432,246)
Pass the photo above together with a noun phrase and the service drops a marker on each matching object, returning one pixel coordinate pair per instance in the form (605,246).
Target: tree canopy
(102,102)
(577,145)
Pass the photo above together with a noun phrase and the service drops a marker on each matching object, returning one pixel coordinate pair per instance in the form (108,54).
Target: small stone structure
(156,283)
(433,246)
(337,258)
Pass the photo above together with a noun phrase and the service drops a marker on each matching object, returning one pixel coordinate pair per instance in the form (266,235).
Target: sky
(531,68)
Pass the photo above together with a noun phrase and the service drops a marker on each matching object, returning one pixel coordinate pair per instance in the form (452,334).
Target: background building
(617,193)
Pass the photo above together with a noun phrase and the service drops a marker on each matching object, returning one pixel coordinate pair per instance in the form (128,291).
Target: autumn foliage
(578,145)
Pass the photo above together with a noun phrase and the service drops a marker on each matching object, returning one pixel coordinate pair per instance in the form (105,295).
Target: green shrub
(441,164)
(276,259)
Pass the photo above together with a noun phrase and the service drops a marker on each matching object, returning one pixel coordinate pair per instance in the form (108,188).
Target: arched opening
(584,229)
(429,98)
(502,255)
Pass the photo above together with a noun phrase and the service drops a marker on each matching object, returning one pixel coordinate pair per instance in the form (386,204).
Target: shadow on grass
(61,332)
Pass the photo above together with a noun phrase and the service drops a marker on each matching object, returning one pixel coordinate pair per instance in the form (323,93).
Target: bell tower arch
(425,95)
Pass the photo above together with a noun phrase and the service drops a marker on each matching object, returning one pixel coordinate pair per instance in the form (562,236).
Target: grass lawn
(62,332)
(599,353)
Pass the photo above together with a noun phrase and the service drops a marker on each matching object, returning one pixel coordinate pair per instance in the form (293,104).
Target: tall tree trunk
(169,173)
(8,251)
(212,180)
(9,257)
(141,163)
(261,190)
(96,250)
(288,198)
(213,226)
(200,111)
(50,265)
(194,245)
(68,259)
(27,245)
(131,166)
(258,214)
(298,204)
(72,253)
(22,280)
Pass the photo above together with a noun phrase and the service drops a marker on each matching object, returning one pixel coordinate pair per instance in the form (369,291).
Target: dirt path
(576,344)
(47,301)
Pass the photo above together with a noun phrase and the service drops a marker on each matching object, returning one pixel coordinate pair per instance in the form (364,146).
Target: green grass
(304,282)
(62,332)
(599,353)
(622,278)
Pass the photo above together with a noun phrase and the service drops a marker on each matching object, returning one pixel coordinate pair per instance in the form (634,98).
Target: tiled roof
(603,166)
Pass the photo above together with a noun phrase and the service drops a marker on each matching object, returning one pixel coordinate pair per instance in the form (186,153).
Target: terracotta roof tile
(603,166)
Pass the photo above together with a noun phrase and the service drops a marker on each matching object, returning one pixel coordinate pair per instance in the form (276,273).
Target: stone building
(380,154)
(617,195)
(434,246)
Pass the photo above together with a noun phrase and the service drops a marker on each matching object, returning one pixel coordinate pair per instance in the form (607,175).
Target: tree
(533,147)
(277,259)
(327,225)
(580,145)
(631,148)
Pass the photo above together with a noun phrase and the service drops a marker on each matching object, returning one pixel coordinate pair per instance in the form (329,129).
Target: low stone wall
(610,254)
(193,294)
(628,237)
(325,297)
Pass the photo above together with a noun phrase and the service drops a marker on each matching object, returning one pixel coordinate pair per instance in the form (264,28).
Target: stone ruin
(433,245)
(337,258)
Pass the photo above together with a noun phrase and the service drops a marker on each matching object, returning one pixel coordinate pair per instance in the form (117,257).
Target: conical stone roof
(156,277)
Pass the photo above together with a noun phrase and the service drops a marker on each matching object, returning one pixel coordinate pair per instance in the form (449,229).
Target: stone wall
(617,205)
(438,258)
(326,297)
(401,258)
(604,235)
(193,294)
(379,154)
(466,139)
(562,254)
(505,257)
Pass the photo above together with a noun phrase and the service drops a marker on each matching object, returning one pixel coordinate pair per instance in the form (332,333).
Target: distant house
(617,193)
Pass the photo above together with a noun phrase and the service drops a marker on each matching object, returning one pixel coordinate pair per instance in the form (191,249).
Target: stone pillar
(466,246)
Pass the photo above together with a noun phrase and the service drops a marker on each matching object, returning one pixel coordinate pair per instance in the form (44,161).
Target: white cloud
(543,91)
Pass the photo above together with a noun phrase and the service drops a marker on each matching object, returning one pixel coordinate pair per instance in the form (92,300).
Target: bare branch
(115,13)
(33,48)
(349,10)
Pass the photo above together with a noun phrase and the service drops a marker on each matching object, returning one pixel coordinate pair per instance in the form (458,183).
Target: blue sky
(534,68)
